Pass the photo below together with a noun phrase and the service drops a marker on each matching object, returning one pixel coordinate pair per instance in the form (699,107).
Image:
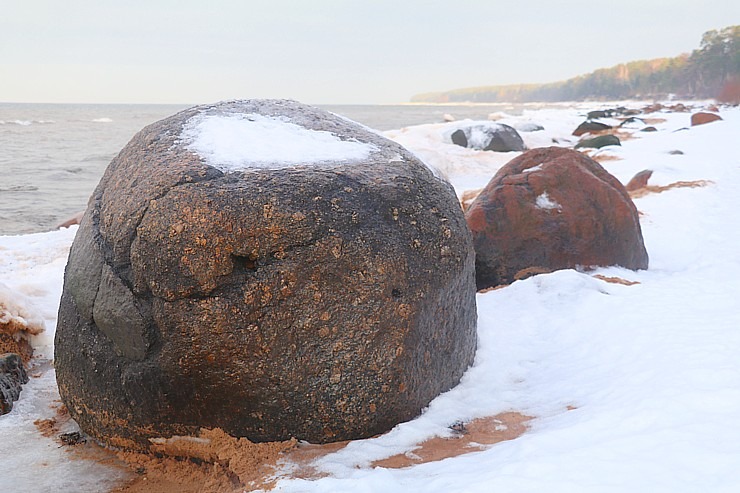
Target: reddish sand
(641,192)
(215,462)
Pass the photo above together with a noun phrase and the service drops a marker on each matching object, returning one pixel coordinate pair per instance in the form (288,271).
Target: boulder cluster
(280,272)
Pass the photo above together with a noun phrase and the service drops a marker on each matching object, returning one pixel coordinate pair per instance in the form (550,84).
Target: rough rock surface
(12,377)
(640,180)
(599,142)
(590,127)
(323,300)
(553,208)
(488,136)
(702,118)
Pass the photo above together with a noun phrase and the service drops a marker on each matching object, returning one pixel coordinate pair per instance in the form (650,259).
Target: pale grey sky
(326,51)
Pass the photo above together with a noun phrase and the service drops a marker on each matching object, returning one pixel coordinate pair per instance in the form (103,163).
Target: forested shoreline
(710,71)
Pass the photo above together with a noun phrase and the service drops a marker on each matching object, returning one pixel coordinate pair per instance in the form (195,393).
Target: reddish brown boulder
(702,117)
(553,208)
(640,180)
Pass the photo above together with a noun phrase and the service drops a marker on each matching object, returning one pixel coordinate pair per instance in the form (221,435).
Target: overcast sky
(326,51)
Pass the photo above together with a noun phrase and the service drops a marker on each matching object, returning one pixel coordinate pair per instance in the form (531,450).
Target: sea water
(53,155)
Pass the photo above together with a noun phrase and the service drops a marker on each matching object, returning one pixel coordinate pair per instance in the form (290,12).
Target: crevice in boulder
(244,264)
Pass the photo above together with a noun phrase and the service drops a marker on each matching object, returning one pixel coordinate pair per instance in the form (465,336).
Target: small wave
(25,123)
(20,188)
(103,120)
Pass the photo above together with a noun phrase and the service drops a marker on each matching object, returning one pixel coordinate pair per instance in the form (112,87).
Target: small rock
(12,377)
(679,108)
(640,180)
(599,142)
(676,152)
(590,127)
(649,129)
(598,114)
(633,122)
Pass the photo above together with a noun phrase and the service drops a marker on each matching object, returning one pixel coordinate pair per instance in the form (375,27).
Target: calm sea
(52,155)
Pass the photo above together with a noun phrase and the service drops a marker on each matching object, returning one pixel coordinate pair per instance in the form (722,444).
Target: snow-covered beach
(631,386)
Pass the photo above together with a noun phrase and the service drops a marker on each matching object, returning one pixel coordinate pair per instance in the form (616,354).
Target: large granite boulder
(488,136)
(267,268)
(12,377)
(553,208)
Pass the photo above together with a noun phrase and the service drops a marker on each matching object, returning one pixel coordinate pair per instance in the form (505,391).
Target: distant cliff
(712,70)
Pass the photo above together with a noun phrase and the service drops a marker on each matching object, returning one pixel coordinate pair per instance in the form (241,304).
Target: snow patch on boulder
(544,201)
(242,141)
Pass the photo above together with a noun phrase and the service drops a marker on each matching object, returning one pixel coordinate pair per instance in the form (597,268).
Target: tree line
(710,71)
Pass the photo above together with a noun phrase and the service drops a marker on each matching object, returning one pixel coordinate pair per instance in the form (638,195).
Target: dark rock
(676,152)
(598,114)
(325,300)
(12,377)
(640,180)
(489,136)
(702,118)
(552,208)
(633,122)
(679,108)
(649,129)
(611,112)
(590,127)
(459,138)
(653,108)
(599,142)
